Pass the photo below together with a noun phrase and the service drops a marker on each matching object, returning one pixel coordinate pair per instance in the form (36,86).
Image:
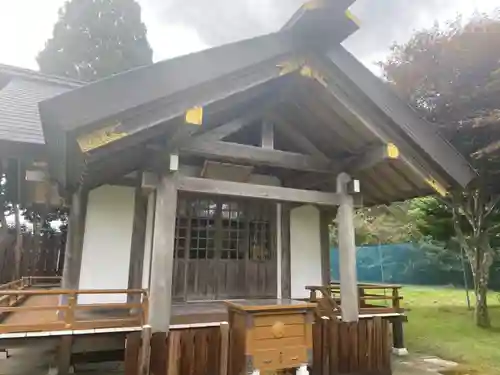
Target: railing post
(361,295)
(395,299)
(69,317)
(145,308)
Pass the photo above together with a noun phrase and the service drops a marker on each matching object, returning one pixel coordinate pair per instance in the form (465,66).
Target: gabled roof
(20,92)
(314,85)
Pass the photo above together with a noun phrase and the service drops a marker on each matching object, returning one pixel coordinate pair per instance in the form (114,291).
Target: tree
(95,39)
(451,76)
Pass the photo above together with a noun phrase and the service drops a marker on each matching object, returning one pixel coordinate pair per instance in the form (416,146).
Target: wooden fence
(194,351)
(362,347)
(338,349)
(47,260)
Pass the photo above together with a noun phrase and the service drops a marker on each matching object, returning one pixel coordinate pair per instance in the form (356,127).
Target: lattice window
(233,231)
(208,228)
(203,229)
(260,234)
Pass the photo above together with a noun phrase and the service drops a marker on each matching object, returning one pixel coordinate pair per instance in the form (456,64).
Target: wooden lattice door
(224,249)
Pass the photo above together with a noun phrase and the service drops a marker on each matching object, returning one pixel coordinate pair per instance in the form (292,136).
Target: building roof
(20,92)
(321,99)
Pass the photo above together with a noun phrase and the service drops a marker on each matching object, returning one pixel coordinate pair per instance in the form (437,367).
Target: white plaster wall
(106,242)
(305,250)
(146,268)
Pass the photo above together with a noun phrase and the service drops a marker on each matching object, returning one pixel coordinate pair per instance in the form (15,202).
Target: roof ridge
(36,75)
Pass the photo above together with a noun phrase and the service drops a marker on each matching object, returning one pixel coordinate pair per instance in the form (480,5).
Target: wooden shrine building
(215,175)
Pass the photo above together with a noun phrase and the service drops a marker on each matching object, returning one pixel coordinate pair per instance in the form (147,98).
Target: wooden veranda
(200,335)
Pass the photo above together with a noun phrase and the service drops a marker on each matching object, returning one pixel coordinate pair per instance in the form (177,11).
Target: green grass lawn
(440,324)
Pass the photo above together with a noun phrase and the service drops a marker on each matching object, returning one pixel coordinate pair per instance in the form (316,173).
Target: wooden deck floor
(38,317)
(191,313)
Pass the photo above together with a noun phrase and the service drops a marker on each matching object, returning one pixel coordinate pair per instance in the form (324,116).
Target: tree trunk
(481,314)
(481,264)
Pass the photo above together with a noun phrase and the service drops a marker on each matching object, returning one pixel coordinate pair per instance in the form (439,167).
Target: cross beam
(238,189)
(252,155)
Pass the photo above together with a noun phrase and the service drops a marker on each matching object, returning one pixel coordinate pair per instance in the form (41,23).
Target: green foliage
(93,39)
(451,76)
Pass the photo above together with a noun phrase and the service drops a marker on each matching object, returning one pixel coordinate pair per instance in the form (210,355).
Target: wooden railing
(13,299)
(373,298)
(70,314)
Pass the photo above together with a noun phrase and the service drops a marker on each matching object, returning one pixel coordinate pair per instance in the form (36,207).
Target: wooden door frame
(218,245)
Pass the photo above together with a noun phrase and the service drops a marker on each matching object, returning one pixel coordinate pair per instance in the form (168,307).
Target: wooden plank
(362,348)
(163,254)
(275,193)
(286,280)
(367,159)
(64,355)
(297,138)
(353,341)
(334,348)
(344,346)
(132,347)
(377,339)
(227,129)
(159,352)
(317,347)
(138,239)
(224,349)
(324,223)
(74,241)
(239,153)
(369,345)
(145,354)
(174,353)
(325,344)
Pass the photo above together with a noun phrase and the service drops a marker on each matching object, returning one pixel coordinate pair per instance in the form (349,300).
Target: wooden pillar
(64,355)
(163,254)
(138,240)
(347,252)
(398,336)
(286,288)
(74,240)
(324,228)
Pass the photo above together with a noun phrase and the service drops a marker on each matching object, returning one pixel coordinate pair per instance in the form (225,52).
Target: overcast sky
(177,27)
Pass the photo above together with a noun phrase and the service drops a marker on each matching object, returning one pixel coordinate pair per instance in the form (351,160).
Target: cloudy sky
(177,27)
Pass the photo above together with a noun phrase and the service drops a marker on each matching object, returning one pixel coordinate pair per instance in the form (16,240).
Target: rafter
(366,160)
(297,138)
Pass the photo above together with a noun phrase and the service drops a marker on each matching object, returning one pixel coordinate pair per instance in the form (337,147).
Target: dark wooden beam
(286,278)
(258,156)
(74,241)
(138,239)
(227,129)
(297,138)
(274,193)
(354,164)
(325,220)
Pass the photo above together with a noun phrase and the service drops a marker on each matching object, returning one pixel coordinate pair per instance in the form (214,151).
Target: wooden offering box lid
(263,305)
